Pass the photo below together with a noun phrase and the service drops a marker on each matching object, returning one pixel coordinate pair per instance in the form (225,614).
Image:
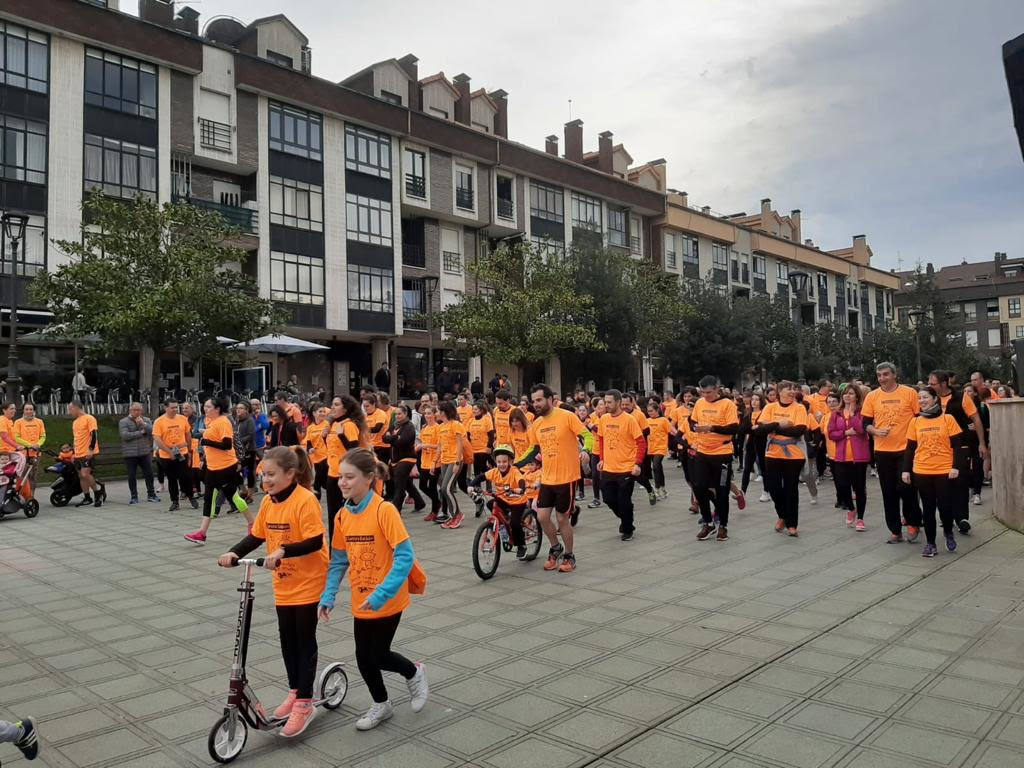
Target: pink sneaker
(196,537)
(861,527)
(302,715)
(741,500)
(286,706)
(455,522)
(851,517)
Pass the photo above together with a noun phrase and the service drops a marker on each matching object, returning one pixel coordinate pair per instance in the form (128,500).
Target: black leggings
(658,470)
(222,481)
(935,491)
(481,463)
(401,478)
(595,476)
(514,513)
(297,627)
(851,479)
(644,479)
(428,485)
(895,492)
(320,478)
(249,469)
(753,456)
(335,501)
(782,481)
(373,639)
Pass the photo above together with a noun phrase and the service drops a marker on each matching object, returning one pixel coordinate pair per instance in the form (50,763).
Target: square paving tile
(920,742)
(661,750)
(469,735)
(592,730)
(533,752)
(713,725)
(940,713)
(792,748)
(107,746)
(408,755)
(831,721)
(749,700)
(636,704)
(527,709)
(870,698)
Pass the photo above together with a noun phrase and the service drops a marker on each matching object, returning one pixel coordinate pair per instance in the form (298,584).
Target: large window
(546,202)
(367,151)
(547,247)
(1013,306)
(464,197)
(296,279)
(116,82)
(759,267)
(720,256)
(414,304)
(24,58)
(296,204)
(971,338)
(414,163)
(22,150)
(992,309)
(31,249)
(119,168)
(295,131)
(691,250)
(994,338)
(970,312)
(368,220)
(670,251)
(586,212)
(370,288)
(782,272)
(617,234)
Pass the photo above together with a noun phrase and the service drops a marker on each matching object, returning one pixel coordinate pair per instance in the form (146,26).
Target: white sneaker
(375,715)
(418,688)
(765,496)
(814,499)
(976,499)
(874,472)
(757,478)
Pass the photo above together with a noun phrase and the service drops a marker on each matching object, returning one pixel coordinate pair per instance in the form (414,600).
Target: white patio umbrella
(281,345)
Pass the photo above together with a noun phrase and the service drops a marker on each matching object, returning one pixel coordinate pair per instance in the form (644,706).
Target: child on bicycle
(290,523)
(371,544)
(509,488)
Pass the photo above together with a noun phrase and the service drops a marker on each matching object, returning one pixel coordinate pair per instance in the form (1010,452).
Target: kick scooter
(243,710)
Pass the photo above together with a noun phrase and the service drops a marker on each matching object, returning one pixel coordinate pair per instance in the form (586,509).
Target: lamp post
(915,316)
(798,281)
(14,230)
(430,283)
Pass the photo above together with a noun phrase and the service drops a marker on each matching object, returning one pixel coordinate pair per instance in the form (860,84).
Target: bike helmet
(504,449)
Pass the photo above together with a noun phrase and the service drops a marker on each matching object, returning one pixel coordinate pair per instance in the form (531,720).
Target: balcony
(464,198)
(634,245)
(243,219)
(416,186)
(451,262)
(214,135)
(413,256)
(506,209)
(413,319)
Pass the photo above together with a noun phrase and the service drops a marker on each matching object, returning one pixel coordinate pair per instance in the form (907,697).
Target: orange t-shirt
(641,419)
(336,449)
(172,433)
(217,458)
(465,414)
(478,429)
(892,411)
(618,435)
(429,436)
(797,415)
(82,429)
(556,435)
(720,413)
(381,417)
(30,432)
(818,404)
(934,453)
(297,580)
(657,440)
(370,538)
(967,402)
(507,487)
(448,434)
(532,479)
(520,442)
(669,407)
(195,460)
(315,443)
(293,412)
(830,446)
(502,429)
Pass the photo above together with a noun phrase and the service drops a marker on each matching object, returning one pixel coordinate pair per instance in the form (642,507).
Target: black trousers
(401,479)
(223,481)
(249,469)
(960,488)
(135,463)
(319,477)
(384,455)
(820,458)
(782,481)
(481,463)
(644,480)
(595,476)
(658,470)
(753,456)
(935,492)
(428,486)
(335,501)
(711,476)
(373,639)
(851,478)
(617,491)
(976,471)
(179,480)
(895,492)
(297,626)
(514,513)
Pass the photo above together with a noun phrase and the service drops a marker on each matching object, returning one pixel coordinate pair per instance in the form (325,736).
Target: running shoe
(757,478)
(627,536)
(964,526)
(723,534)
(705,532)
(174,507)
(929,550)
(196,537)
(153,497)
(568,563)
(912,534)
(814,499)
(861,527)
(375,715)
(764,497)
(895,538)
(520,552)
(652,498)
(663,493)
(99,500)
(851,518)
(194,502)
(134,500)
(792,532)
(455,522)
(594,504)
(874,472)
(430,518)
(976,499)
(285,707)
(302,715)
(780,525)
(29,741)
(419,691)
(950,542)
(553,556)
(85,502)
(441,519)
(741,500)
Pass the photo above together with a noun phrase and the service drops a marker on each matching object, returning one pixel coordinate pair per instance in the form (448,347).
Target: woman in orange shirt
(754,445)
(932,456)
(347,432)
(520,429)
(452,440)
(785,424)
(427,445)
(316,446)
(660,431)
(481,436)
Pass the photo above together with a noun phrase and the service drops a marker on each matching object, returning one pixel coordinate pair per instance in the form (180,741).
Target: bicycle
(493,536)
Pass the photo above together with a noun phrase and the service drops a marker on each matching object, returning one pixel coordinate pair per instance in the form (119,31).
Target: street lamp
(798,281)
(430,284)
(14,230)
(915,316)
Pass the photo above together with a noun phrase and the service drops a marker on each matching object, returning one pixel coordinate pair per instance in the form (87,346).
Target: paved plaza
(833,649)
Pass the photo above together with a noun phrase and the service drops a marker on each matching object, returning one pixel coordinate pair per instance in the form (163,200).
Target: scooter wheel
(58,499)
(333,686)
(31,508)
(222,745)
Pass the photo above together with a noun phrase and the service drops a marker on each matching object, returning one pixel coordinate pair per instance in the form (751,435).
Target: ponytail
(293,458)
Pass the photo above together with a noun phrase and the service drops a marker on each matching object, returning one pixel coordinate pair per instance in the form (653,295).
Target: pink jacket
(837,426)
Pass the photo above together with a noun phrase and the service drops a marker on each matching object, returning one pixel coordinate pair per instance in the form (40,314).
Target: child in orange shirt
(290,522)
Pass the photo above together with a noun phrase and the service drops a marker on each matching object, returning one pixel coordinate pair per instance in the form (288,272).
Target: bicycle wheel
(533,536)
(486,550)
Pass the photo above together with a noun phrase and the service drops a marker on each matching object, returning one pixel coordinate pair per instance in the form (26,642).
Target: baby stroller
(16,488)
(67,485)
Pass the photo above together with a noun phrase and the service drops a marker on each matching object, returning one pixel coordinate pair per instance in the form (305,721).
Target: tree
(156,277)
(526,310)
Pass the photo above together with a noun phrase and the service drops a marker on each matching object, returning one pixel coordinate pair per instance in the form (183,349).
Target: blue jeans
(133,464)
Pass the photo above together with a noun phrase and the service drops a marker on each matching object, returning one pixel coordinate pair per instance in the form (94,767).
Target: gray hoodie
(136,440)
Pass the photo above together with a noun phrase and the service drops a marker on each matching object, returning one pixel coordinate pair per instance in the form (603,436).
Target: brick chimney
(462,108)
(500,98)
(860,250)
(574,141)
(157,12)
(410,65)
(766,206)
(794,217)
(551,145)
(706,210)
(604,152)
(684,198)
(188,20)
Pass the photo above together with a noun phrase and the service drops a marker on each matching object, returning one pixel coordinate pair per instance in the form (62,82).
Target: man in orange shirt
(961,407)
(171,433)
(713,422)
(622,449)
(502,429)
(86,442)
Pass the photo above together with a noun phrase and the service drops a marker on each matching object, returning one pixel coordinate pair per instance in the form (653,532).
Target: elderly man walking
(137,449)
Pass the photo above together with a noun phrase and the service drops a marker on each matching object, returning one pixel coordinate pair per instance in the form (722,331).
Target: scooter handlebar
(257,561)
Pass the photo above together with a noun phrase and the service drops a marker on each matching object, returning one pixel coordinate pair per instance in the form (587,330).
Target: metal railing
(506,209)
(634,244)
(464,198)
(415,186)
(414,319)
(214,135)
(451,262)
(413,256)
(245,219)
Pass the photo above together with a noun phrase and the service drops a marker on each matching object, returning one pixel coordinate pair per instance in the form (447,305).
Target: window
(994,339)
(992,309)
(24,58)
(414,304)
(735,266)
(464,197)
(782,272)
(586,212)
(505,203)
(22,150)
(414,163)
(1013,307)
(546,202)
(295,131)
(280,58)
(1020,331)
(971,338)
(617,227)
(367,151)
(370,289)
(547,247)
(438,112)
(970,312)
(635,236)
(296,279)
(451,262)
(691,250)
(480,126)
(119,83)
(670,251)
(31,250)
(823,285)
(840,289)
(368,220)
(119,168)
(825,313)
(390,97)
(296,204)
(720,256)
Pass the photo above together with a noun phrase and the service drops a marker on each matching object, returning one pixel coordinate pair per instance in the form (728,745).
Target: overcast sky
(885,118)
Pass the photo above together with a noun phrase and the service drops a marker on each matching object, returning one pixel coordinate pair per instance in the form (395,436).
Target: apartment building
(985,296)
(754,254)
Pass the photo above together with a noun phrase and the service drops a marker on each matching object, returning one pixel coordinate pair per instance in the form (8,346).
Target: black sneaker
(575,516)
(520,552)
(723,534)
(98,502)
(964,526)
(85,502)
(153,497)
(174,507)
(29,741)
(627,536)
(594,504)
(652,497)
(194,502)
(706,531)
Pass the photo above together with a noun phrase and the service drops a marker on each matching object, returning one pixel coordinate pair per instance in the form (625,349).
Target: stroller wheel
(31,508)
(58,499)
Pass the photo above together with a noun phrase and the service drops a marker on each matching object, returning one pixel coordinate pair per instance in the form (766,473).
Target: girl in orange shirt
(428,446)
(481,436)
(660,431)
(452,439)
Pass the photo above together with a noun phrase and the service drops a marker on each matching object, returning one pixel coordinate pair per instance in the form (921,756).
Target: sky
(890,119)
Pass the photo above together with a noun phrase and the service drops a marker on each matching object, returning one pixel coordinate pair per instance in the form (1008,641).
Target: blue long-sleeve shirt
(401,565)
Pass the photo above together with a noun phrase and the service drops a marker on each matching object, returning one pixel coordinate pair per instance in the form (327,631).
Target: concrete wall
(64,176)
(1006,439)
